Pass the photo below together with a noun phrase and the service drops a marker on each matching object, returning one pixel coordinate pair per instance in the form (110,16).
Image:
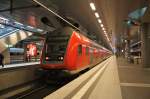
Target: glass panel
(87,50)
(6,30)
(80,49)
(56,47)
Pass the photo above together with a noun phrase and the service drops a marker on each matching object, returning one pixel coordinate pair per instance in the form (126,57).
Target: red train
(69,51)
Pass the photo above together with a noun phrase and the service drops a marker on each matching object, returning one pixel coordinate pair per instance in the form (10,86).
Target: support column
(6,54)
(127,42)
(145,48)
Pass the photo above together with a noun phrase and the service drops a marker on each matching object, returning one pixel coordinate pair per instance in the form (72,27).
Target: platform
(101,82)
(134,80)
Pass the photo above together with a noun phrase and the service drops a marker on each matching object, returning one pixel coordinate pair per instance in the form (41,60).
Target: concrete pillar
(145,48)
(127,42)
(127,48)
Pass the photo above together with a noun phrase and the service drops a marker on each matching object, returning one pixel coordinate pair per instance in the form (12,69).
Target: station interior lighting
(3,18)
(102,25)
(99,20)
(40,30)
(18,23)
(92,6)
(103,28)
(97,15)
(30,27)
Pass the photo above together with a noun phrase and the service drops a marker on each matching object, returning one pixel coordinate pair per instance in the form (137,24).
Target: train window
(80,49)
(87,50)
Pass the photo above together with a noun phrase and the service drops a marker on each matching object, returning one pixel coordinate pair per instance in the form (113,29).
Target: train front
(53,54)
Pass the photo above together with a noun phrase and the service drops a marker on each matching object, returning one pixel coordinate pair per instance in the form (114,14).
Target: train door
(91,55)
(87,53)
(79,55)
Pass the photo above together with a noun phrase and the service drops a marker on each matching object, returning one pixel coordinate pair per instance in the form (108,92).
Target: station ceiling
(112,13)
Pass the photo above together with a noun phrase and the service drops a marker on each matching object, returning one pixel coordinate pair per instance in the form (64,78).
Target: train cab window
(87,50)
(80,49)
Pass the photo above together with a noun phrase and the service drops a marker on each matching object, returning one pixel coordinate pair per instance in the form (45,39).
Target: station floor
(134,80)
(120,80)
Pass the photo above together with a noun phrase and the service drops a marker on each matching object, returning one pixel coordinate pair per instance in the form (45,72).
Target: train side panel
(81,53)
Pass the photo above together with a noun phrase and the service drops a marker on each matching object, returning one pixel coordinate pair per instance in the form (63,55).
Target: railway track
(39,91)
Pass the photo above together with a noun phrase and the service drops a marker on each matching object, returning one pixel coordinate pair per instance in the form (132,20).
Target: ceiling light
(2,18)
(30,27)
(103,28)
(96,14)
(107,38)
(102,25)
(92,6)
(99,20)
(18,23)
(40,30)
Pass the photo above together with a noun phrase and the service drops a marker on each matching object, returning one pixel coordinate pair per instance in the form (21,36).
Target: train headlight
(47,58)
(61,58)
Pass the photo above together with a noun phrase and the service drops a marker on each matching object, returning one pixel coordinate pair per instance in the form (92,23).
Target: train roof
(67,31)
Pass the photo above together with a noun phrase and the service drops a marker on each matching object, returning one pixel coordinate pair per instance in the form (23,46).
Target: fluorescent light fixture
(3,18)
(18,23)
(102,25)
(99,20)
(107,38)
(2,26)
(96,14)
(40,30)
(30,27)
(103,29)
(92,6)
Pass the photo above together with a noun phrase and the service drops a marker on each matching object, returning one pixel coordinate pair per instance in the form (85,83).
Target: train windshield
(55,47)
